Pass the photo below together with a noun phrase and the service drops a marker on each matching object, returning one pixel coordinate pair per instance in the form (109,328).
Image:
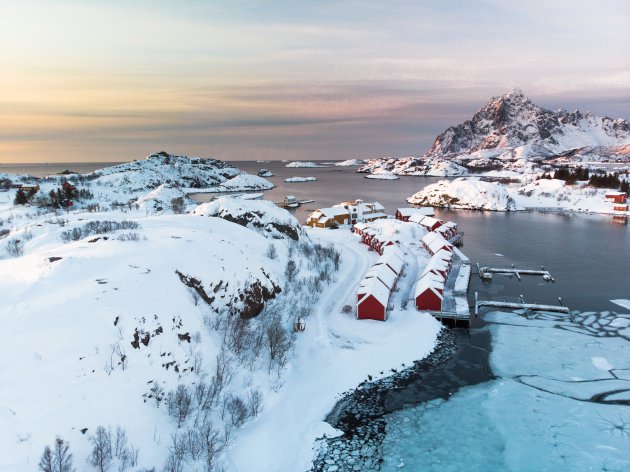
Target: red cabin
(616,197)
(373,304)
(403,214)
(428,295)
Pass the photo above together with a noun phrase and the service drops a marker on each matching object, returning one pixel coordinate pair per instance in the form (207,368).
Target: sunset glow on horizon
(115,81)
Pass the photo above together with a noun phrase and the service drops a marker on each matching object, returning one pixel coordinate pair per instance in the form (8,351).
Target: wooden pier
(520,306)
(486,272)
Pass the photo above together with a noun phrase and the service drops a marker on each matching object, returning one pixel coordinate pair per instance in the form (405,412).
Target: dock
(520,306)
(486,272)
(455,309)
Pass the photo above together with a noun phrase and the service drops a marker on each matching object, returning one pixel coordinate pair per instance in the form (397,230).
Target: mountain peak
(513,120)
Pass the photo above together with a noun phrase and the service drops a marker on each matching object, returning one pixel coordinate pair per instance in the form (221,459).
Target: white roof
(436,264)
(427,283)
(392,261)
(424,211)
(417,217)
(395,250)
(371,216)
(435,242)
(360,225)
(429,221)
(375,288)
(383,273)
(449,224)
(378,207)
(443,254)
(615,193)
(316,214)
(334,211)
(427,274)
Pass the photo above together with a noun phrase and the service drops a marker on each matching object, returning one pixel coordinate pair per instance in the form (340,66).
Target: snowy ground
(334,354)
(72,309)
(300,179)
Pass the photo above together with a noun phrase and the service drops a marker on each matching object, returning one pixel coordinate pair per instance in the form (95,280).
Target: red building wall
(371,309)
(428,300)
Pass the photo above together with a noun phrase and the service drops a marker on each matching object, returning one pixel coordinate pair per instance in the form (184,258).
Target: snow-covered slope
(260,215)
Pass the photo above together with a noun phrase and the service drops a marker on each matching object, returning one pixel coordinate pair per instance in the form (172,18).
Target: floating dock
(486,272)
(455,309)
(520,306)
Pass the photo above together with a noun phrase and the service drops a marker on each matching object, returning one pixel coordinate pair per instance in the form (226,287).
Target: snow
(382,176)
(350,163)
(300,179)
(622,302)
(547,194)
(601,363)
(61,318)
(305,164)
(159,200)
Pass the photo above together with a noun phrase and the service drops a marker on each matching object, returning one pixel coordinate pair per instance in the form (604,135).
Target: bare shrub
(271,253)
(15,248)
(178,205)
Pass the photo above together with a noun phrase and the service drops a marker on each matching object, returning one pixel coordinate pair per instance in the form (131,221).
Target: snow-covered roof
(360,226)
(424,211)
(392,261)
(435,265)
(377,289)
(444,255)
(427,283)
(375,215)
(378,207)
(334,211)
(417,217)
(395,250)
(435,242)
(449,224)
(615,194)
(429,221)
(383,273)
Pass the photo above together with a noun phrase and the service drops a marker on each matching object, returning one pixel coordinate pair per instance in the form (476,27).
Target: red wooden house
(403,214)
(429,294)
(616,197)
(373,304)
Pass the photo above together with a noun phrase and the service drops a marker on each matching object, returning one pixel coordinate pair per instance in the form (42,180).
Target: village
(417,262)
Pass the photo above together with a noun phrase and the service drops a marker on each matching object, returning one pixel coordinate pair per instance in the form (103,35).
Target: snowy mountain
(513,120)
(509,132)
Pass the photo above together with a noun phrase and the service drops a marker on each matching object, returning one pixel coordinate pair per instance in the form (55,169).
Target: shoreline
(460,359)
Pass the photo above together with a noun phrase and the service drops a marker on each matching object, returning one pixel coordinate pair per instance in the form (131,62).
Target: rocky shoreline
(359,414)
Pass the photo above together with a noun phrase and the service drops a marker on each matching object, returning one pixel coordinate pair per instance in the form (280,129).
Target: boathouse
(433,242)
(437,266)
(427,222)
(621,207)
(403,214)
(429,294)
(392,261)
(384,274)
(616,197)
(396,251)
(358,228)
(373,304)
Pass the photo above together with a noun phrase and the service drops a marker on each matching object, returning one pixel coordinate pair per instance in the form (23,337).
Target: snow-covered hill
(477,194)
(510,129)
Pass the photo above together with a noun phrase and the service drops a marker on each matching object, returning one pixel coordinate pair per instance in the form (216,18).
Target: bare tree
(120,442)
(179,404)
(62,458)
(278,342)
(15,248)
(101,455)
(254,402)
(46,463)
(291,270)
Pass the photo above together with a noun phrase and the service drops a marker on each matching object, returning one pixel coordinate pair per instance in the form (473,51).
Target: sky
(117,80)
